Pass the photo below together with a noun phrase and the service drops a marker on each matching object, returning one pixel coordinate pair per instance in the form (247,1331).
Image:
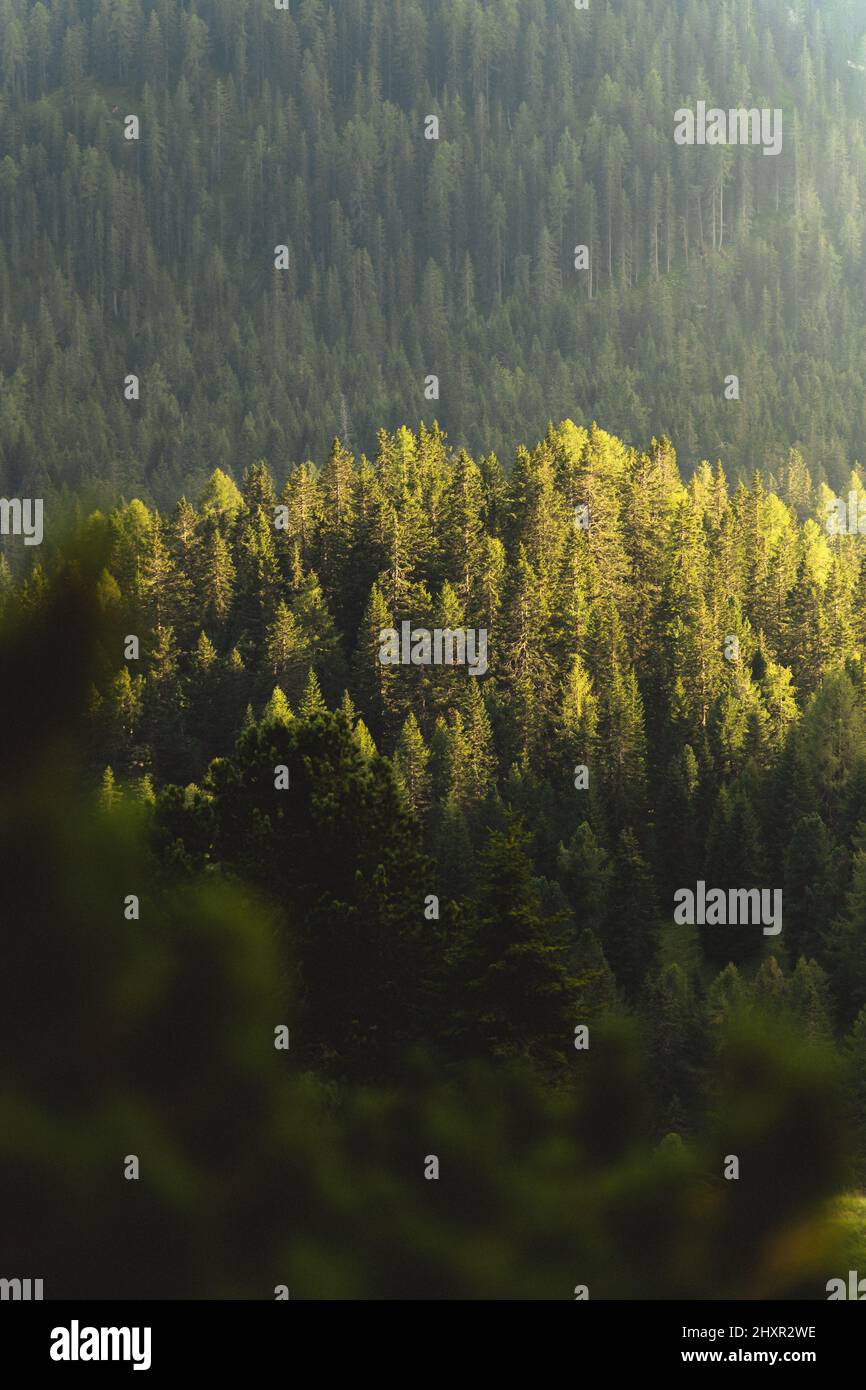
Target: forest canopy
(675,694)
(306,128)
(583,1064)
(291,296)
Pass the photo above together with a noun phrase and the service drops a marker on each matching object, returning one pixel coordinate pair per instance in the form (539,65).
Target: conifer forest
(433,649)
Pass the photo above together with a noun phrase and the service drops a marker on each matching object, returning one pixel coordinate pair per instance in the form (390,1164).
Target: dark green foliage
(675,1048)
(418,1031)
(514,994)
(305,128)
(406,865)
(595,639)
(339,853)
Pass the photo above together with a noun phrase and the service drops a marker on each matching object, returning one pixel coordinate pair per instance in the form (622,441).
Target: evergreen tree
(631,929)
(676,1045)
(517,998)
(411,757)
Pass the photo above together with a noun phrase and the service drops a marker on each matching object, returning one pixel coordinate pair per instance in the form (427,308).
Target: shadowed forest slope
(407,256)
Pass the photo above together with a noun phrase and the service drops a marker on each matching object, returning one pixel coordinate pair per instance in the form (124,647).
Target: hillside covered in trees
(289,922)
(609,648)
(432,903)
(305,127)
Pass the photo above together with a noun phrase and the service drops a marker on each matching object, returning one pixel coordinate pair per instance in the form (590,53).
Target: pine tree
(411,757)
(463,531)
(620,756)
(318,632)
(259,580)
(810,1002)
(585,874)
(811,896)
(364,740)
(375,683)
(478,759)
(278,708)
(221,498)
(676,1045)
(727,996)
(341,855)
(734,859)
(630,936)
(677,826)
(312,701)
(597,992)
(578,720)
(163,707)
(806,636)
(771,990)
(217,578)
(108,795)
(517,998)
(288,651)
(525,672)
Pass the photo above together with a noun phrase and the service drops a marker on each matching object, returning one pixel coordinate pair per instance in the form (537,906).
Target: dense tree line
(262,1170)
(305,127)
(611,592)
